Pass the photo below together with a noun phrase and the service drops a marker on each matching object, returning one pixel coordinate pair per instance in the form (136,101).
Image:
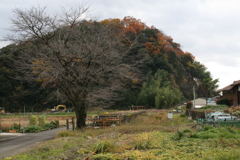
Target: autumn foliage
(139,43)
(160,43)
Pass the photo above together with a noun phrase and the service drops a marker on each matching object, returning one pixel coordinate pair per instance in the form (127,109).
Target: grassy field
(151,136)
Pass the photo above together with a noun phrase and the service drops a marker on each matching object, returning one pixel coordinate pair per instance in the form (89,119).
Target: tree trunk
(206,96)
(81,113)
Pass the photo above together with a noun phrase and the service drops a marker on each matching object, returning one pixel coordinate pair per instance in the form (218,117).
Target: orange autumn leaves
(160,44)
(155,45)
(128,24)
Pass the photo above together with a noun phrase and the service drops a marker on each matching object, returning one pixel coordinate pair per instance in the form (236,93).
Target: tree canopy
(89,63)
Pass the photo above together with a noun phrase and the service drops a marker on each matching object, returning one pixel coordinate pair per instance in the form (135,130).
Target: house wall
(232,95)
(199,102)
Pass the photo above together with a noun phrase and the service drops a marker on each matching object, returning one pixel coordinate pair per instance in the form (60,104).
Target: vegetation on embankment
(149,136)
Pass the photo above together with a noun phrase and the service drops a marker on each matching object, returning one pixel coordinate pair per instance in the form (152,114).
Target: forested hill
(166,74)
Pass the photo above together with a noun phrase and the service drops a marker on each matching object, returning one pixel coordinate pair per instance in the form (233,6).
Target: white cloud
(226,72)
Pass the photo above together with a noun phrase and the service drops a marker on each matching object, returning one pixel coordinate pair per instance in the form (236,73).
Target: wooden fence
(219,123)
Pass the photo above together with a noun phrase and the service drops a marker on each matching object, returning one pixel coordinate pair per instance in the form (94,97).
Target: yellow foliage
(139,155)
(135,80)
(190,64)
(83,151)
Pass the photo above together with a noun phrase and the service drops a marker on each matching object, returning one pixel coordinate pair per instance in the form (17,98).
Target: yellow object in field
(2,111)
(59,108)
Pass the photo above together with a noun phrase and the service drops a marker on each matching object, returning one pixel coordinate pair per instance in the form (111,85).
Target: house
(200,102)
(232,92)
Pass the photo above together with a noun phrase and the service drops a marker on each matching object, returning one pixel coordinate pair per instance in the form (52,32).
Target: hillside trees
(19,94)
(160,52)
(83,59)
(7,85)
(206,86)
(158,92)
(86,61)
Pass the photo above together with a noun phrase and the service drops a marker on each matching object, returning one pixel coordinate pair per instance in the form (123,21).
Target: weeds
(104,146)
(142,142)
(33,129)
(145,138)
(107,156)
(179,135)
(210,132)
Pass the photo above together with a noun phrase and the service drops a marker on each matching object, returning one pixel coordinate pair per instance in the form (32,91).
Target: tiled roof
(227,88)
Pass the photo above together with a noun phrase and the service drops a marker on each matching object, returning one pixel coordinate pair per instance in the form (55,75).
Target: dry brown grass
(145,132)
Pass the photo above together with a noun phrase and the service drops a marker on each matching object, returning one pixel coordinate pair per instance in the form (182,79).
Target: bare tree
(82,58)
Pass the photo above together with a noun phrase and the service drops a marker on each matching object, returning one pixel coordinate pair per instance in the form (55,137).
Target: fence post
(67,123)
(73,123)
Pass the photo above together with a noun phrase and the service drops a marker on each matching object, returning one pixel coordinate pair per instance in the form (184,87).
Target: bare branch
(83,59)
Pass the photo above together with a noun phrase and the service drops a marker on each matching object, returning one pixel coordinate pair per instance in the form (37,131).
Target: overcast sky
(209,29)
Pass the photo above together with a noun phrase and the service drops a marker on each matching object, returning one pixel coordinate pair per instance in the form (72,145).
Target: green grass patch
(146,137)
(214,107)
(209,132)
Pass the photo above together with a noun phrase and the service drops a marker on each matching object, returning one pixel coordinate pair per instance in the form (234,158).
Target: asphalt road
(11,144)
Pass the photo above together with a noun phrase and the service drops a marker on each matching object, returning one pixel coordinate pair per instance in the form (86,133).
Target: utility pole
(193,96)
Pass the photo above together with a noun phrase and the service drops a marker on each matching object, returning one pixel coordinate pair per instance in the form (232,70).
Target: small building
(232,92)
(200,102)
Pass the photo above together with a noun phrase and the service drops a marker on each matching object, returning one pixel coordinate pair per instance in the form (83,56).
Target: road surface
(11,144)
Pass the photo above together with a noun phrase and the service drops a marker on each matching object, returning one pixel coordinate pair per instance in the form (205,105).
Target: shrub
(179,135)
(33,129)
(214,107)
(55,123)
(48,126)
(183,115)
(189,105)
(33,120)
(41,120)
(186,131)
(225,101)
